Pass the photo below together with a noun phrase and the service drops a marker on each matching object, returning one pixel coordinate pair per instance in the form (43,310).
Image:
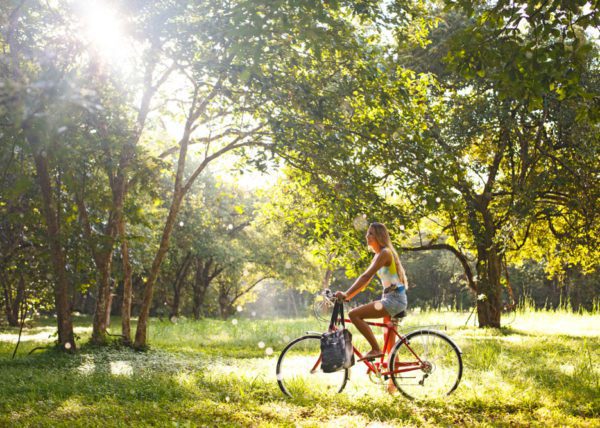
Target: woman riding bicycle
(386,264)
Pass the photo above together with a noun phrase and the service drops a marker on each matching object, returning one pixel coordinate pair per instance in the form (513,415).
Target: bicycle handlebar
(330,297)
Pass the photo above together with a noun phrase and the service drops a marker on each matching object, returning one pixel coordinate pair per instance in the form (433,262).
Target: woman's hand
(340,295)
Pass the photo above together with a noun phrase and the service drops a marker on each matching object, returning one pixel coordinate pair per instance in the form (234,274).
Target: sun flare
(103,28)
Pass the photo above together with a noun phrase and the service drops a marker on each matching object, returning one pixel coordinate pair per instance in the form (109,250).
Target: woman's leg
(370,310)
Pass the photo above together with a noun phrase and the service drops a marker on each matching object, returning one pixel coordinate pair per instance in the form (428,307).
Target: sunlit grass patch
(216,373)
(557,323)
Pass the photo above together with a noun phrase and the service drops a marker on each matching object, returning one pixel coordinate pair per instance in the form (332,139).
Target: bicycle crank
(375,376)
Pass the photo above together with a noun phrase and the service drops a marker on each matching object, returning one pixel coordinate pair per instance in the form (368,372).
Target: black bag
(336,346)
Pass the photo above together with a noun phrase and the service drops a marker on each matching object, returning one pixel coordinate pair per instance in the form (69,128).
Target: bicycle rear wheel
(439,371)
(299,370)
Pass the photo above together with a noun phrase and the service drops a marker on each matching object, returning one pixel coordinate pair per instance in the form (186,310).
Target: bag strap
(337,317)
(333,316)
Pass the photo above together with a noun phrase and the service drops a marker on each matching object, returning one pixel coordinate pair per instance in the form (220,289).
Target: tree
(233,56)
(229,248)
(463,149)
(502,145)
(40,93)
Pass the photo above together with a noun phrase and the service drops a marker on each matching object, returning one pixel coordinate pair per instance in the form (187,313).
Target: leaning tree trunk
(182,186)
(66,338)
(142,327)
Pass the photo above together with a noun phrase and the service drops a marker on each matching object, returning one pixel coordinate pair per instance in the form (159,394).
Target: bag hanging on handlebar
(336,345)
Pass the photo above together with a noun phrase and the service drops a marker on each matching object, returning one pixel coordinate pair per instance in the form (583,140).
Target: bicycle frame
(425,362)
(389,341)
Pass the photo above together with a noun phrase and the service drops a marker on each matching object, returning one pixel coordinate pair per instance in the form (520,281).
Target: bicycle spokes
(299,370)
(437,370)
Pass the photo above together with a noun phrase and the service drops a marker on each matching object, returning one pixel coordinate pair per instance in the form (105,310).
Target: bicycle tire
(444,370)
(299,370)
(322,308)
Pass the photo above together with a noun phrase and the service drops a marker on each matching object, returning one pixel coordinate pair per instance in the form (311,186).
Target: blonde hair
(382,236)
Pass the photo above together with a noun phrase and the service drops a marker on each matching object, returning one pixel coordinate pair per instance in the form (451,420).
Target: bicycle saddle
(400,315)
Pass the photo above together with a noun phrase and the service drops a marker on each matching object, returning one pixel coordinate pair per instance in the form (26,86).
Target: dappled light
(121,368)
(517,377)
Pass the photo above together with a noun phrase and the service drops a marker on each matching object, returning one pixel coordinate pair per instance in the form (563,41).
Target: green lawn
(540,370)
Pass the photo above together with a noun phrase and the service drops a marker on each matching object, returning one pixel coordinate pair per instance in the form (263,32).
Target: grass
(540,370)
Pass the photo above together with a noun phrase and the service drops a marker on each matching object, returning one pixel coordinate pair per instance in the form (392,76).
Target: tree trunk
(202,280)
(66,338)
(142,327)
(127,285)
(99,325)
(489,302)
(182,186)
(224,303)
(109,301)
(198,300)
(102,253)
(11,305)
(489,272)
(178,285)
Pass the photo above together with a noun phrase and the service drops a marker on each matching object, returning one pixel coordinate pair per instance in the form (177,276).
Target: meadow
(541,370)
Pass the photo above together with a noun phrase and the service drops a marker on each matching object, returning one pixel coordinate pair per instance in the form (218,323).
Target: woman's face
(371,241)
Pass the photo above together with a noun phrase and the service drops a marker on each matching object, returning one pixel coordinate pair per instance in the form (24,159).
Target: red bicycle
(423,364)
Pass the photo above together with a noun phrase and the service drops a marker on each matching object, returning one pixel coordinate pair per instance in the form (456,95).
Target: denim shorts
(394,302)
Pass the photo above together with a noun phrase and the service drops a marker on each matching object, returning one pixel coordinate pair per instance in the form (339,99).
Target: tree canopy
(465,126)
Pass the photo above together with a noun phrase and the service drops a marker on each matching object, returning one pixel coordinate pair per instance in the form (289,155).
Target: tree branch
(231,146)
(241,293)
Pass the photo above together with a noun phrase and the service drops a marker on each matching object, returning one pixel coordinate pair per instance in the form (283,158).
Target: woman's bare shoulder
(386,254)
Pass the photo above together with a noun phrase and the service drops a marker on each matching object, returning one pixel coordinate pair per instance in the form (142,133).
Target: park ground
(539,370)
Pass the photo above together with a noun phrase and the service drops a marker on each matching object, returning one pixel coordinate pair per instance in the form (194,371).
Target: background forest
(174,158)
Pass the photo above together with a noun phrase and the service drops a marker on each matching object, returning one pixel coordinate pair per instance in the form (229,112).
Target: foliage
(222,230)
(470,125)
(492,163)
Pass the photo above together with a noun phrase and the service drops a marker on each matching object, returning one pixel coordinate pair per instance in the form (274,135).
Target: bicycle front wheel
(299,370)
(322,308)
(435,373)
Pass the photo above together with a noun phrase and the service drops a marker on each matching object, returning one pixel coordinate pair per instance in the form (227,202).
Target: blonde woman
(386,264)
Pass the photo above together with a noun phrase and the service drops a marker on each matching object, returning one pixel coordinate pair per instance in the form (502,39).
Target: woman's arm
(384,258)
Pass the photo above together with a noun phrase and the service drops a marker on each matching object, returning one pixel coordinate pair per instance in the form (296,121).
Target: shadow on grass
(50,387)
(215,373)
